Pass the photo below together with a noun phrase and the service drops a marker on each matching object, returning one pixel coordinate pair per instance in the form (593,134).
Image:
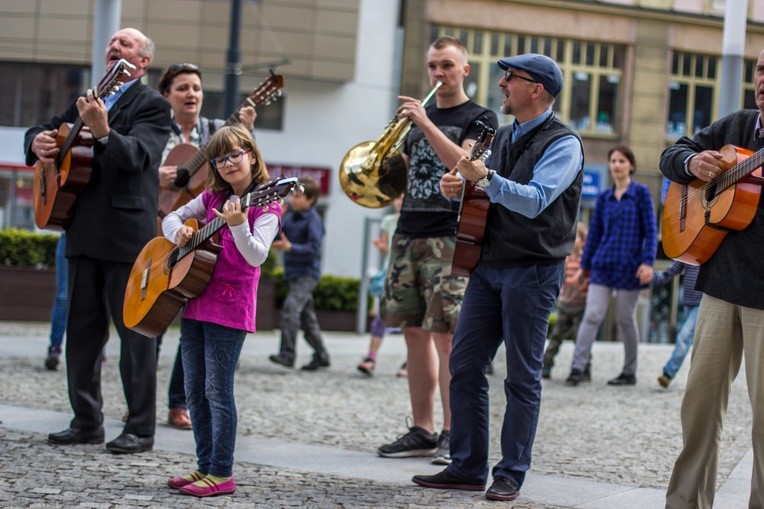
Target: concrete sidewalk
(309,444)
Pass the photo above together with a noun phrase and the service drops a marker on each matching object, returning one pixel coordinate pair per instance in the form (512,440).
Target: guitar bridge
(145,280)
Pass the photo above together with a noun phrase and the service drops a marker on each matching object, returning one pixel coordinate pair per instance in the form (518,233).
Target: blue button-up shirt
(623,234)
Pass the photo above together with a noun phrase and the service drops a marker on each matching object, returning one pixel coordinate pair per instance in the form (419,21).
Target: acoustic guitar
(56,186)
(697,216)
(473,213)
(164,276)
(189,159)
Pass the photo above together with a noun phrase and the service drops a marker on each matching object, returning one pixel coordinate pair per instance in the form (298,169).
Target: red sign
(321,175)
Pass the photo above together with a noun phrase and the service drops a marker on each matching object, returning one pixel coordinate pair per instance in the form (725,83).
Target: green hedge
(333,293)
(23,248)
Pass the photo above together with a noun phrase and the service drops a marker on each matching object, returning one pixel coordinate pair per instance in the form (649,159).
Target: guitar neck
(748,166)
(69,141)
(261,196)
(103,89)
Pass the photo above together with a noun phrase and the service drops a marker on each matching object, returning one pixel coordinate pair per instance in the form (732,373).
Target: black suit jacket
(115,215)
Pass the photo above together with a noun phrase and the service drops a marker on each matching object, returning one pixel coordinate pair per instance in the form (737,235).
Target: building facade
(637,72)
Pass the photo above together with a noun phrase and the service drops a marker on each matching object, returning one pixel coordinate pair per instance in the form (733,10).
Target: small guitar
(56,186)
(189,159)
(473,213)
(697,216)
(164,276)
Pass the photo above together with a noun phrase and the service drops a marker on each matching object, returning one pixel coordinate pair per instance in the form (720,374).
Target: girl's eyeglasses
(235,158)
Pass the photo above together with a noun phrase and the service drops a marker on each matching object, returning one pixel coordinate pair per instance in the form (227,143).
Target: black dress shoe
(127,443)
(446,481)
(316,364)
(281,359)
(623,380)
(76,436)
(502,489)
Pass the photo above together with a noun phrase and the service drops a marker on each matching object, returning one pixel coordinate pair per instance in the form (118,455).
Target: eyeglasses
(235,158)
(509,75)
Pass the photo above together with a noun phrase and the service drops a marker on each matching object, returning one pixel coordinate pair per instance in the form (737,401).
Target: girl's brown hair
(223,142)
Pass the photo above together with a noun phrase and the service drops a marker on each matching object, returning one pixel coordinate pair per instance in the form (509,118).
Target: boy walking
(300,240)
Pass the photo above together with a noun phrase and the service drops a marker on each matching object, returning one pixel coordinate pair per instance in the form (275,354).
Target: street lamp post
(233,61)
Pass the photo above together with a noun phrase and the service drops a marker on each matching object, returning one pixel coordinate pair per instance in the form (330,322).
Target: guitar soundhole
(710,194)
(172,259)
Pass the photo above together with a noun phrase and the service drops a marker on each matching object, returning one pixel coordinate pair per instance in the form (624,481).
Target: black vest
(512,239)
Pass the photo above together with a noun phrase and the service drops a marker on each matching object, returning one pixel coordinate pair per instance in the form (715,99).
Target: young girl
(215,323)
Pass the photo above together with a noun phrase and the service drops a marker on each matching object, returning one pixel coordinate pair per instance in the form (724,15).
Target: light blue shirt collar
(112,99)
(518,129)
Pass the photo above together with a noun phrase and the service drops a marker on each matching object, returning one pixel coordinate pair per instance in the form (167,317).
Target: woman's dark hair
(627,153)
(165,82)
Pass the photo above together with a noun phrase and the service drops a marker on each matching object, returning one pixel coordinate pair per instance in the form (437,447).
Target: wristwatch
(483,182)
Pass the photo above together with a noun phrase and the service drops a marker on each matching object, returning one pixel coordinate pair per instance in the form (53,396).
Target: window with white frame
(593,74)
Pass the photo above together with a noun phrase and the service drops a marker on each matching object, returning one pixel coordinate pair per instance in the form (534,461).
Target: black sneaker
(576,377)
(281,359)
(316,364)
(52,360)
(623,379)
(417,442)
(443,455)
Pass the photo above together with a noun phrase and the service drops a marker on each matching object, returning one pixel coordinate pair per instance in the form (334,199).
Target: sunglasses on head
(180,67)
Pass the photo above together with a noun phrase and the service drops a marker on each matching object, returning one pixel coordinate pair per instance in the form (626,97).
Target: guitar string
(725,180)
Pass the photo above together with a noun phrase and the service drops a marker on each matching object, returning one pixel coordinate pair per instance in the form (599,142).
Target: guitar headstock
(268,90)
(115,78)
(480,148)
(271,191)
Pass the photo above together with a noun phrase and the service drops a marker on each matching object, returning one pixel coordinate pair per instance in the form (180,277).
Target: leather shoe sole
(127,443)
(502,490)
(76,436)
(445,481)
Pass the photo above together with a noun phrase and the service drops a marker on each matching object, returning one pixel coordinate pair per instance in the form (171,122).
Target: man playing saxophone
(421,296)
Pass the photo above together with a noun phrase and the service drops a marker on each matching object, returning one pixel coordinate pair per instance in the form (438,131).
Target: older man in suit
(114,217)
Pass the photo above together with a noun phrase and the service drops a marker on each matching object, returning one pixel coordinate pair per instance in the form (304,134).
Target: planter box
(26,294)
(269,316)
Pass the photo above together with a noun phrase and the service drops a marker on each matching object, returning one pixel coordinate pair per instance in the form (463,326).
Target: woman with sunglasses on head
(181,86)
(214,324)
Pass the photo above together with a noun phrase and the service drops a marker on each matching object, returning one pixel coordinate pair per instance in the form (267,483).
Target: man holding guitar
(730,322)
(113,218)
(534,185)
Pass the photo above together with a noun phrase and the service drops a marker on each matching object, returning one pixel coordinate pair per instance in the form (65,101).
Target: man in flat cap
(533,180)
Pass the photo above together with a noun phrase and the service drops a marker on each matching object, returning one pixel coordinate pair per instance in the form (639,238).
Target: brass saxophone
(373,173)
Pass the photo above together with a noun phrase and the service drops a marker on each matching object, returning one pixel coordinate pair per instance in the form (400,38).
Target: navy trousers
(509,306)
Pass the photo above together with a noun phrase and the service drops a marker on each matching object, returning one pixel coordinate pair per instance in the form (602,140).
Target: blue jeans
(58,313)
(509,306)
(210,353)
(683,341)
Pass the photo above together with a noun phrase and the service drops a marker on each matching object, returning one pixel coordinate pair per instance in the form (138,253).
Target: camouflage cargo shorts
(420,290)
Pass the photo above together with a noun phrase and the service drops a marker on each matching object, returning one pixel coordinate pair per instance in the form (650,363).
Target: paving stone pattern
(620,435)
